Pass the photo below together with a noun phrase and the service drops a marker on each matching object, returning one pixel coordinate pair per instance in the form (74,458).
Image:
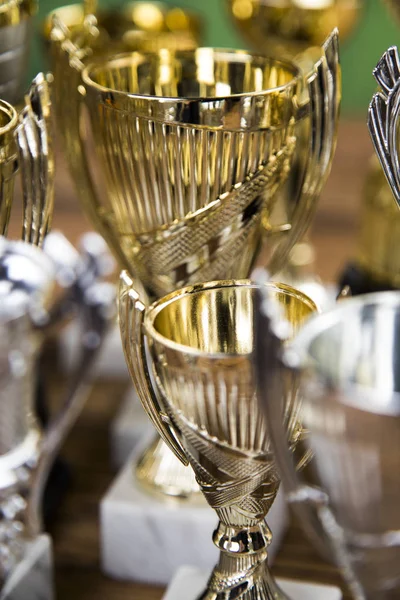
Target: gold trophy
(188,149)
(199,391)
(26,148)
(290,27)
(15,35)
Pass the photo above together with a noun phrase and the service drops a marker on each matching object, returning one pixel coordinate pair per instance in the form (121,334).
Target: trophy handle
(383,118)
(131,315)
(94,302)
(36,161)
(68,63)
(323,85)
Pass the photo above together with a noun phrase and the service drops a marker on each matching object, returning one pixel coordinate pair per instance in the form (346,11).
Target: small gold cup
(198,388)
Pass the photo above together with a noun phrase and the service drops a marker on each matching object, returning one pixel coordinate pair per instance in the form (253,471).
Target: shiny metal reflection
(203,403)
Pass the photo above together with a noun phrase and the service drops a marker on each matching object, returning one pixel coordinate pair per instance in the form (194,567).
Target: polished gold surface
(144,26)
(8,161)
(201,342)
(380,229)
(188,150)
(289,27)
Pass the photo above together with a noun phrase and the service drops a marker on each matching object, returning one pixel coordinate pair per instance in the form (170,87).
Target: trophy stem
(159,471)
(242,570)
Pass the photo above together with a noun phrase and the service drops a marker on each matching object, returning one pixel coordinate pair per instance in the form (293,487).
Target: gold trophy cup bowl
(198,388)
(8,161)
(177,157)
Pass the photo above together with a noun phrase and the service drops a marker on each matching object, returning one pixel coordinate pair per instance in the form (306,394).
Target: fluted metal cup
(348,361)
(16,27)
(26,149)
(29,279)
(177,157)
(189,355)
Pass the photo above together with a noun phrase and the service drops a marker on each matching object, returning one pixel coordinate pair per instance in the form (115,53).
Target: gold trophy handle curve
(36,160)
(131,314)
(324,85)
(272,362)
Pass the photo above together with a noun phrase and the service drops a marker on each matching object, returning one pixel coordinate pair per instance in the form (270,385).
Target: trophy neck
(242,570)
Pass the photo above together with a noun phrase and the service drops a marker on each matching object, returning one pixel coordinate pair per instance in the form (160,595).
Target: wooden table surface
(76,533)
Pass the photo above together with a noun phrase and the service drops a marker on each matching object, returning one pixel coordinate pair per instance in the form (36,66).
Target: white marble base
(147,539)
(128,428)
(189,582)
(32,579)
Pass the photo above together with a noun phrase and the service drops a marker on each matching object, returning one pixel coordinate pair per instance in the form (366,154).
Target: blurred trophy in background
(26,149)
(295,29)
(15,35)
(189,355)
(376,265)
(141,25)
(348,362)
(177,156)
(40,290)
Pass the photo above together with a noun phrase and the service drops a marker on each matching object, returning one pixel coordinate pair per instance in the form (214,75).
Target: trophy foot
(260,586)
(159,472)
(242,571)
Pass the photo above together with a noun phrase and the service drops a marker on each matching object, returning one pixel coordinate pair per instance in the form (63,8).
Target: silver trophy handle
(383,118)
(324,103)
(310,503)
(94,301)
(131,316)
(36,161)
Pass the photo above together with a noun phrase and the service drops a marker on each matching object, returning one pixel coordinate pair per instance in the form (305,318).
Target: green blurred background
(374,34)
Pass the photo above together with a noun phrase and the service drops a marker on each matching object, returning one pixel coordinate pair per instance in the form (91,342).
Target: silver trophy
(348,363)
(30,280)
(26,149)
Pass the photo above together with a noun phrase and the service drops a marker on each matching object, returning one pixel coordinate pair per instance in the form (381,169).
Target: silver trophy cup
(29,279)
(348,362)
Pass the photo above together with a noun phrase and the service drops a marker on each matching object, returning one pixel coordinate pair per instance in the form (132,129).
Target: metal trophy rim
(192,110)
(156,307)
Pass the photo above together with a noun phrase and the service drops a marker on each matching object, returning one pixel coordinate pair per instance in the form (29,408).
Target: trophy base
(144,538)
(189,582)
(128,429)
(33,576)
